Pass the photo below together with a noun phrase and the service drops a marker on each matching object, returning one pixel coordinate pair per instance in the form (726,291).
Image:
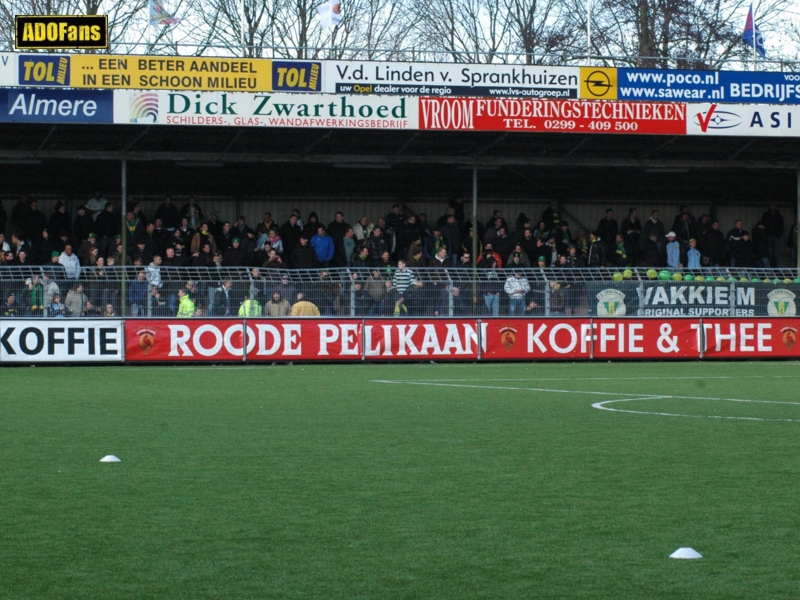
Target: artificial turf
(329,481)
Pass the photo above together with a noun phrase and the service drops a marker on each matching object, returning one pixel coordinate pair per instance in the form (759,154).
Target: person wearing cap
(234,256)
(285,287)
(11,308)
(186,306)
(86,247)
(673,251)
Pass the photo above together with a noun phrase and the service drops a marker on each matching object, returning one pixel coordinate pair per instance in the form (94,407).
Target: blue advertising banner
(19,105)
(741,87)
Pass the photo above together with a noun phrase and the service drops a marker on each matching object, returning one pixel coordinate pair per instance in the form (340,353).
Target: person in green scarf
(35,302)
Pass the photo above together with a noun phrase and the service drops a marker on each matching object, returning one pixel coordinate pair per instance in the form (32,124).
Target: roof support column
(475,231)
(124,232)
(797,222)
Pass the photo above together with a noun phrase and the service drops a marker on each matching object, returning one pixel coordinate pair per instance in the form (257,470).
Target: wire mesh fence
(392,292)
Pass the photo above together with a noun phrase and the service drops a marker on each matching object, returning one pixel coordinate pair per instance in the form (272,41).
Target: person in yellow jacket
(185,305)
(304,308)
(250,308)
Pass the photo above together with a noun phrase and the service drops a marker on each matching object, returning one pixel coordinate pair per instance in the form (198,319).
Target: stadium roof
(255,162)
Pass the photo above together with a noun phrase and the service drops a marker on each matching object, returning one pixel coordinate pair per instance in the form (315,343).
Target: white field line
(602,405)
(638,397)
(623,378)
(491,387)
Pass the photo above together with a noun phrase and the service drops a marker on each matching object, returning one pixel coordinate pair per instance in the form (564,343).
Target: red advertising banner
(271,340)
(186,340)
(406,339)
(568,116)
(223,340)
(751,338)
(303,339)
(537,339)
(645,338)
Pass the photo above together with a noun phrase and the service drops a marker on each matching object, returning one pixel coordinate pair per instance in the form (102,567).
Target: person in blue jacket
(693,255)
(323,246)
(673,251)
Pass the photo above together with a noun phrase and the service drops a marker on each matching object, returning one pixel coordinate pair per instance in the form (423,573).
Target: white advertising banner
(61,340)
(8,69)
(440,79)
(265,110)
(746,120)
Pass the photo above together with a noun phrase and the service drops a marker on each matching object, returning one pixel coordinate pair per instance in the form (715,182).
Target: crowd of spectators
(387,253)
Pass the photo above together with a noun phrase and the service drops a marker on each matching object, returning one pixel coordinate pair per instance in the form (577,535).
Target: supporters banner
(56,106)
(442,79)
(536,339)
(8,68)
(418,339)
(32,341)
(303,339)
(610,299)
(709,86)
(748,120)
(107,71)
(265,110)
(563,116)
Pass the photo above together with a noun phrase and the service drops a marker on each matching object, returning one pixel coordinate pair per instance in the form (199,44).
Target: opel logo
(598,83)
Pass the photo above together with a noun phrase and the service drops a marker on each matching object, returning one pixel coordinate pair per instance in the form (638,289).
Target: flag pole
(241,27)
(755,39)
(589,32)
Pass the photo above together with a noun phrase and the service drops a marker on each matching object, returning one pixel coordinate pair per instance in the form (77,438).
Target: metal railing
(444,56)
(381,291)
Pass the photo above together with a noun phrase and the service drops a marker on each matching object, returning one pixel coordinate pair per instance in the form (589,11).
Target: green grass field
(401,481)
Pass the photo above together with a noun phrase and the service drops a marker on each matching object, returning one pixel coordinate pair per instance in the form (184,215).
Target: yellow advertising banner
(598,83)
(170,73)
